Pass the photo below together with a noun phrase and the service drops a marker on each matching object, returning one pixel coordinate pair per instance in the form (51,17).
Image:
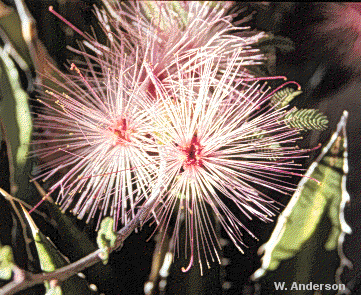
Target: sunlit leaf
(106,237)
(306,244)
(306,119)
(54,291)
(6,262)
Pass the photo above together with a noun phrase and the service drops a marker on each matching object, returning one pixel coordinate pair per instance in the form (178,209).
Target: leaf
(156,12)
(78,243)
(54,291)
(20,38)
(306,244)
(106,237)
(51,259)
(306,119)
(270,45)
(6,262)
(39,57)
(283,97)
(10,24)
(18,30)
(261,144)
(16,124)
(284,44)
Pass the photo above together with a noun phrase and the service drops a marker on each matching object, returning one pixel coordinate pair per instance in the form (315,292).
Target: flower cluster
(172,77)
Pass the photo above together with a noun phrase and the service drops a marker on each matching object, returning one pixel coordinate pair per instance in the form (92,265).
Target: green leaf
(283,97)
(106,237)
(18,32)
(269,46)
(54,291)
(261,144)
(51,259)
(10,25)
(6,262)
(78,243)
(306,244)
(16,125)
(158,13)
(284,44)
(306,119)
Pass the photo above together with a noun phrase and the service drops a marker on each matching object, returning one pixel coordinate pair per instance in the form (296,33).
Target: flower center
(120,132)
(192,153)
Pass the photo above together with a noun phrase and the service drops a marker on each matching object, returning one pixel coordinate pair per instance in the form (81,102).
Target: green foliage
(106,237)
(154,11)
(283,44)
(306,119)
(269,45)
(16,124)
(303,119)
(6,262)
(78,244)
(283,97)
(54,291)
(261,144)
(10,26)
(51,259)
(312,224)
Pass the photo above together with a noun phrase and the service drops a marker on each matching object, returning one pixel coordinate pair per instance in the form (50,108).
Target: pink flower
(174,34)
(217,132)
(99,132)
(218,141)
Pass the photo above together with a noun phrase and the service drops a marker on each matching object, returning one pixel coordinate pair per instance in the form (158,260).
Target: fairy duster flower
(173,34)
(218,141)
(97,129)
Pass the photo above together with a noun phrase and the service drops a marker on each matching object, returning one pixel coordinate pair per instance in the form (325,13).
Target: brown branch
(23,279)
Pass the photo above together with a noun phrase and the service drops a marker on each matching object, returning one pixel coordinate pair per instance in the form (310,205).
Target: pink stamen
(109,173)
(70,153)
(38,204)
(263,78)
(283,85)
(190,263)
(51,9)
(74,67)
(301,175)
(192,254)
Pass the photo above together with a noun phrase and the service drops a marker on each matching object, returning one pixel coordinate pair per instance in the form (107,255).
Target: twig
(27,240)
(23,279)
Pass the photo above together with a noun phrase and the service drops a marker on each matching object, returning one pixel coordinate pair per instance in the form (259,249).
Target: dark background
(325,62)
